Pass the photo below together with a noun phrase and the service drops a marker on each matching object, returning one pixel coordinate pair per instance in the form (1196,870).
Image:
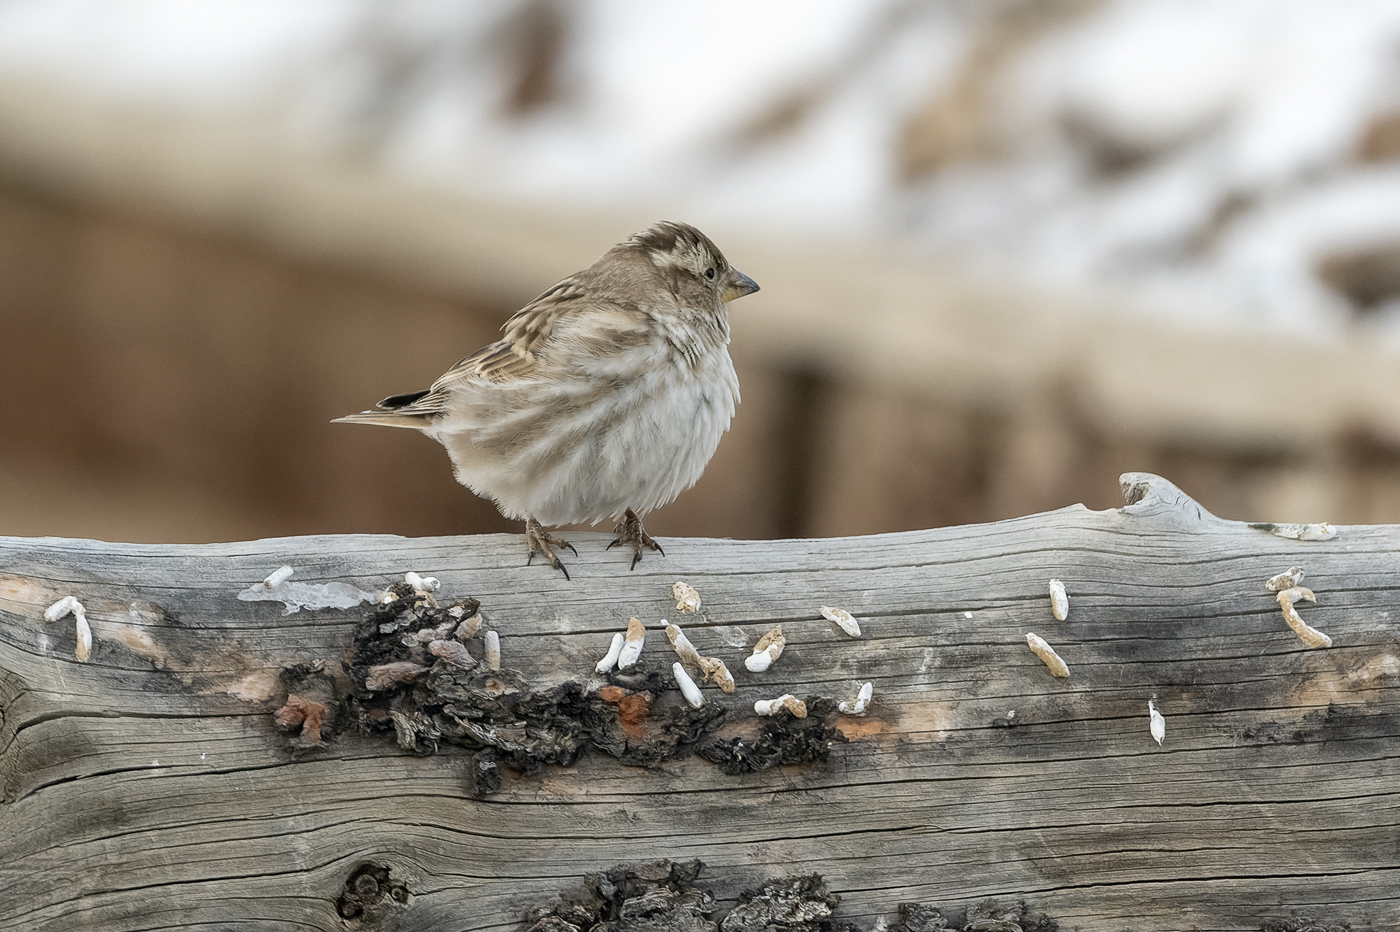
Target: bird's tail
(385,419)
(407,410)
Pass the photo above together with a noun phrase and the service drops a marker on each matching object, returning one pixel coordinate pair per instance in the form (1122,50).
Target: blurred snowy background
(1228,161)
(1213,166)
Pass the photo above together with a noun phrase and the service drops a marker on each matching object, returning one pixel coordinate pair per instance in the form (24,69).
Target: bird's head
(693,264)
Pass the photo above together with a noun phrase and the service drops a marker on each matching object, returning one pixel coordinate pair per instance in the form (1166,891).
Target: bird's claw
(542,543)
(629,530)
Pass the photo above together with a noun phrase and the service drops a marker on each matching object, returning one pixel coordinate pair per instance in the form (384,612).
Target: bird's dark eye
(710,274)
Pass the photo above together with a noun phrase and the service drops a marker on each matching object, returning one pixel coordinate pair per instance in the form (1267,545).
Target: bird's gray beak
(736,285)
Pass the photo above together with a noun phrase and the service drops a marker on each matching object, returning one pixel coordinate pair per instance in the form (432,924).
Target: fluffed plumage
(606,397)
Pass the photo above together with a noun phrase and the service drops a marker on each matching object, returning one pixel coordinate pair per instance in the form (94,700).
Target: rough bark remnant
(637,718)
(663,897)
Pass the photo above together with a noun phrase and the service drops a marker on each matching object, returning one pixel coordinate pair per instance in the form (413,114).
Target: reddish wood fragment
(303,712)
(632,712)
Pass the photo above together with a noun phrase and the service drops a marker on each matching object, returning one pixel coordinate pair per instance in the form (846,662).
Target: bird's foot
(629,531)
(543,543)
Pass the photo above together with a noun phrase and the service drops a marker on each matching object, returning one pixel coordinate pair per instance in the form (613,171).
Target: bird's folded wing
(507,360)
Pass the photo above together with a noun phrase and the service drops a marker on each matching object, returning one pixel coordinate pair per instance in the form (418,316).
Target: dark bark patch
(987,916)
(783,740)
(1303,924)
(795,904)
(639,717)
(661,896)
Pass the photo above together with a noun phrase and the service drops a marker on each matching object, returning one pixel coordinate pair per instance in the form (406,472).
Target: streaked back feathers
(668,259)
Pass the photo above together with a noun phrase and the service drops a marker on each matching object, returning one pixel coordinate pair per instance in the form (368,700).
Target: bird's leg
(629,530)
(542,542)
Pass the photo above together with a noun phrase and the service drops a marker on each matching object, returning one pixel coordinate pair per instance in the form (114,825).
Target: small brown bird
(606,398)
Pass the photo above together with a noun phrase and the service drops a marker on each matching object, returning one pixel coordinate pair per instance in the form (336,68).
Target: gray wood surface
(150,789)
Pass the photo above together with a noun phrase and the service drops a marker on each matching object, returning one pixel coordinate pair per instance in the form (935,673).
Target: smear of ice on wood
(687,685)
(1059,600)
(845,619)
(610,658)
(858,705)
(1289,578)
(1047,653)
(296,596)
(1306,633)
(1320,531)
(687,599)
(785,703)
(768,649)
(1156,724)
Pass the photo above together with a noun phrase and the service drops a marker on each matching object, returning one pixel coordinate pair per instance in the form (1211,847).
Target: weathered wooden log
(156,785)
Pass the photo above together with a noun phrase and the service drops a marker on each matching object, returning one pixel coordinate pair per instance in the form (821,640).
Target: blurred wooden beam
(880,313)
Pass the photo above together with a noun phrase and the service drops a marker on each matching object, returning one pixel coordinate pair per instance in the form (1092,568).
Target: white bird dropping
(493,650)
(1047,653)
(857,706)
(712,667)
(768,649)
(63,607)
(277,577)
(1306,633)
(684,649)
(610,658)
(687,685)
(1158,725)
(1059,600)
(632,644)
(845,619)
(784,703)
(1293,576)
(84,648)
(422,583)
(687,599)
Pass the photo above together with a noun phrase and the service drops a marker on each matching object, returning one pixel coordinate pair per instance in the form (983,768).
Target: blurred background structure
(1008,249)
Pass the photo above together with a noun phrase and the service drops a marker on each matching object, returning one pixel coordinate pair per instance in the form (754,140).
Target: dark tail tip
(402,401)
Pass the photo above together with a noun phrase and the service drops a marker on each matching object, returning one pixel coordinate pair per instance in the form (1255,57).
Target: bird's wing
(514,356)
(509,359)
